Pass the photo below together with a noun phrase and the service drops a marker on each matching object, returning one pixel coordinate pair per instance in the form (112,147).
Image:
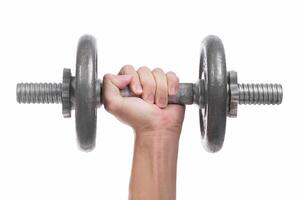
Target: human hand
(150,113)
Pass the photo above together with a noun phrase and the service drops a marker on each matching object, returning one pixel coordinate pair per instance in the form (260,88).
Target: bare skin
(156,125)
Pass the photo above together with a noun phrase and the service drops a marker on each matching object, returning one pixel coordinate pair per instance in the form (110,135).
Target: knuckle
(143,69)
(171,74)
(157,70)
(146,78)
(173,79)
(127,68)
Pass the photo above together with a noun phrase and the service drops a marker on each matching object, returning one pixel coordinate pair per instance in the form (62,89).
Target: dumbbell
(216,92)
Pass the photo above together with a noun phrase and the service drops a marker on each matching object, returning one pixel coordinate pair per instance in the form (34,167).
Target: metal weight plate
(85,92)
(213,114)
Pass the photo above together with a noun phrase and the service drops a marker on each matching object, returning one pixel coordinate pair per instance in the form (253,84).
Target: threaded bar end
(45,93)
(266,94)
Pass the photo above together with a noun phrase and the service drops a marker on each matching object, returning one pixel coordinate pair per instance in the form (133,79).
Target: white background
(39,158)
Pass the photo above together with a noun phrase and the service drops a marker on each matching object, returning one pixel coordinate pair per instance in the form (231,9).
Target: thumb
(111,91)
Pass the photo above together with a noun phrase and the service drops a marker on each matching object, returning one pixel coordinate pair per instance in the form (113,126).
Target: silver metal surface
(216,92)
(66,93)
(266,94)
(85,92)
(213,115)
(39,92)
(185,96)
(233,97)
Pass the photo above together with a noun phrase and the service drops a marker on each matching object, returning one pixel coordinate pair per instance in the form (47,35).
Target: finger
(111,91)
(135,85)
(161,93)
(121,81)
(173,83)
(148,84)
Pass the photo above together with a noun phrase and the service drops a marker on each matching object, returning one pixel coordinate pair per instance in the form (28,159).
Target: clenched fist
(151,111)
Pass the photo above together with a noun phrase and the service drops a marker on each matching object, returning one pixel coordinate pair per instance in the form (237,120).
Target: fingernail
(162,102)
(138,89)
(150,99)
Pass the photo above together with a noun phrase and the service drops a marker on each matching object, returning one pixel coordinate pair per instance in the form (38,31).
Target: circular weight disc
(85,92)
(213,115)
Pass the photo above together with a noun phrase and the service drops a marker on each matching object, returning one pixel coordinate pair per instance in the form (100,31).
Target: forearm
(154,166)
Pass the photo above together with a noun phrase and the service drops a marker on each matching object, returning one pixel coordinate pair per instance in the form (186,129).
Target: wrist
(155,139)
